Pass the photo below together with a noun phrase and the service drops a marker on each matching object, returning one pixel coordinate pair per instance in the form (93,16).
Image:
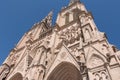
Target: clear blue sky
(17,17)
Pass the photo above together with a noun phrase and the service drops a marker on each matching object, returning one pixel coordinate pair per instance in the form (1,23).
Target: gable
(64,55)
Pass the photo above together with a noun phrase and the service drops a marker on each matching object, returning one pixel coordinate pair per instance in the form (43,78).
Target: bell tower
(86,43)
(70,13)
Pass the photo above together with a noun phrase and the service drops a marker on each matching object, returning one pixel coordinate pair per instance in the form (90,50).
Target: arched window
(65,71)
(76,14)
(67,18)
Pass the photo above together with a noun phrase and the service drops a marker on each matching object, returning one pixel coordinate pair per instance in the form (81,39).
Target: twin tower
(72,49)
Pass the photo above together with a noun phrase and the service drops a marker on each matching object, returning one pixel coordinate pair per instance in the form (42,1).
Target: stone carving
(87,34)
(21,65)
(40,56)
(83,19)
(76,53)
(105,48)
(83,68)
(82,58)
(48,57)
(63,55)
(29,60)
(101,75)
(38,74)
(108,57)
(13,58)
(43,47)
(70,35)
(95,61)
(4,70)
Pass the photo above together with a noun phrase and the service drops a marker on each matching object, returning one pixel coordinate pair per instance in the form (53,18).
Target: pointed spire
(48,19)
(73,1)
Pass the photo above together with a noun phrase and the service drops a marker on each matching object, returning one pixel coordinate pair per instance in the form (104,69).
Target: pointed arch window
(76,14)
(17,76)
(67,18)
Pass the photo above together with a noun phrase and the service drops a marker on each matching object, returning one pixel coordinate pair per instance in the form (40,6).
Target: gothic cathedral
(72,49)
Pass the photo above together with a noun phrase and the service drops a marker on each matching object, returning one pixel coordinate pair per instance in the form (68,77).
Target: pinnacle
(73,1)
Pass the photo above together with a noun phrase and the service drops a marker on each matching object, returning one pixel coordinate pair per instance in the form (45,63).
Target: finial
(73,1)
(48,19)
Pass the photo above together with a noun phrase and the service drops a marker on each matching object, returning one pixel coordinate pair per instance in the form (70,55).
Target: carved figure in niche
(63,38)
(62,35)
(67,35)
(77,34)
(97,77)
(47,42)
(41,75)
(13,58)
(48,57)
(30,59)
(83,19)
(82,58)
(105,48)
(74,34)
(87,34)
(42,57)
(38,73)
(4,70)
(108,57)
(76,52)
(104,76)
(38,56)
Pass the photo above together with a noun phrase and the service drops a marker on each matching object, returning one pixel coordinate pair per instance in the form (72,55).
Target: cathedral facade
(72,49)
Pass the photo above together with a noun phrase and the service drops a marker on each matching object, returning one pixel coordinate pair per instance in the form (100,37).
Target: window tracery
(101,75)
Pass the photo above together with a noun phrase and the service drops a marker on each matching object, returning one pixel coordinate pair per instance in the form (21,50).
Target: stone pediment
(64,55)
(95,58)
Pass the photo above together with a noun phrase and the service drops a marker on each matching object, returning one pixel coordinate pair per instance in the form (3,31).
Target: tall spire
(48,19)
(73,1)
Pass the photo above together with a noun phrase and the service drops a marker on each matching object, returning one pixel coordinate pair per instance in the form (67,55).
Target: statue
(4,70)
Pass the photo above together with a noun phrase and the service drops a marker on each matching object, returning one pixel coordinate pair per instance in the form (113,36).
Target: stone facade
(72,49)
